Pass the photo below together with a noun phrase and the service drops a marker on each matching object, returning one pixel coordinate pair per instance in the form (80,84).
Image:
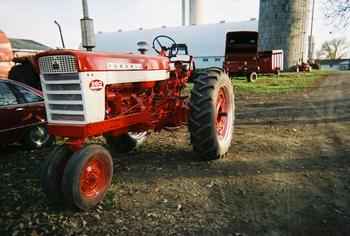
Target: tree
(338,12)
(334,49)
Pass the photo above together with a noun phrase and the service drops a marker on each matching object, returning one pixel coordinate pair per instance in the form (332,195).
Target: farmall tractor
(122,97)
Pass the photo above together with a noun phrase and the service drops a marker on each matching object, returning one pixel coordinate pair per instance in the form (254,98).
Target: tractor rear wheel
(87,177)
(52,172)
(211,120)
(127,142)
(24,72)
(252,77)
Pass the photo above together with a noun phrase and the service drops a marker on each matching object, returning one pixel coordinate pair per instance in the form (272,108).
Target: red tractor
(122,97)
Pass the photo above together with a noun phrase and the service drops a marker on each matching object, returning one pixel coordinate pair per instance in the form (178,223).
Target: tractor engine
(86,92)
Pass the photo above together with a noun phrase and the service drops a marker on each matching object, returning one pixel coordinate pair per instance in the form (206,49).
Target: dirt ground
(287,173)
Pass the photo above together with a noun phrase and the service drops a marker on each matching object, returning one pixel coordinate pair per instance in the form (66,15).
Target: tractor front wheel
(87,177)
(52,172)
(211,119)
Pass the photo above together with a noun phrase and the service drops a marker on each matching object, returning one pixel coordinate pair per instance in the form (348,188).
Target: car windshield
(7,97)
(241,42)
(28,95)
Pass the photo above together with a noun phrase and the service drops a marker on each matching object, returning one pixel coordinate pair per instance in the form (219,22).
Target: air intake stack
(87,29)
(183,12)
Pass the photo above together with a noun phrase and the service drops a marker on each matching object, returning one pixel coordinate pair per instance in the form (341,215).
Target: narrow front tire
(52,173)
(87,177)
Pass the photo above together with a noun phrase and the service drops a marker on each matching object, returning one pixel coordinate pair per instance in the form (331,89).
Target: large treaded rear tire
(207,114)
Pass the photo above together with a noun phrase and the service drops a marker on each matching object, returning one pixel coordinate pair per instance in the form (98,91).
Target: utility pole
(61,35)
(311,37)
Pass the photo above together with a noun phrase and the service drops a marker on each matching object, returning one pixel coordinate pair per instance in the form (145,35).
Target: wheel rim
(39,136)
(137,136)
(222,113)
(94,177)
(254,76)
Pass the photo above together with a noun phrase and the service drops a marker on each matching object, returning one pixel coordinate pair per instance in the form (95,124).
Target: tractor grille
(58,77)
(58,117)
(64,97)
(62,89)
(58,64)
(66,107)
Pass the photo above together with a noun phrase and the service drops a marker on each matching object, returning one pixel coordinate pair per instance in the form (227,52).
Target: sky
(33,19)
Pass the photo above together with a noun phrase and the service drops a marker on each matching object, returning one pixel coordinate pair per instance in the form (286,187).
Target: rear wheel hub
(222,114)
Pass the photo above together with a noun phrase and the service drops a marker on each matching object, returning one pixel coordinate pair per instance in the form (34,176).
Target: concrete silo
(283,25)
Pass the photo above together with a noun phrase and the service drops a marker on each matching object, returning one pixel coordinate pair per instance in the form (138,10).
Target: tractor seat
(182,58)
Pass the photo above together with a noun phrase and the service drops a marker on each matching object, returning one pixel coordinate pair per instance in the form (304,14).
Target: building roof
(202,40)
(27,45)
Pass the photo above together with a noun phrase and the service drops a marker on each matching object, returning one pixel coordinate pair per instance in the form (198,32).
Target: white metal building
(205,42)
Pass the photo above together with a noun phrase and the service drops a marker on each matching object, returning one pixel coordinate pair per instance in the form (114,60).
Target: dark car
(22,115)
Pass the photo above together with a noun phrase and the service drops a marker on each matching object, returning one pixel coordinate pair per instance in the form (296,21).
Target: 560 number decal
(96,85)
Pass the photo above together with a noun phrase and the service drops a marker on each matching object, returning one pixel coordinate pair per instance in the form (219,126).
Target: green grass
(285,83)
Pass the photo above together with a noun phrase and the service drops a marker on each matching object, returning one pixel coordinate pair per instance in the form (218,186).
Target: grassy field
(286,82)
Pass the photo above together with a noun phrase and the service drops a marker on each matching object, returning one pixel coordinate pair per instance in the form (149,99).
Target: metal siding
(202,40)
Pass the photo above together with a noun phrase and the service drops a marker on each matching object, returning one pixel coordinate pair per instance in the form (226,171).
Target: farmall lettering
(136,94)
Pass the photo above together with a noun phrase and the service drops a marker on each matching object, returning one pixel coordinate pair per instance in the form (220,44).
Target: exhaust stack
(87,29)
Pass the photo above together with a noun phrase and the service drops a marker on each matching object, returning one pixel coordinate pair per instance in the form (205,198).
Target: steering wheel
(161,45)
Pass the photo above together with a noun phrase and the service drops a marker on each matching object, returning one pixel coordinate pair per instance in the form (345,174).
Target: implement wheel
(211,119)
(87,177)
(278,72)
(252,77)
(52,172)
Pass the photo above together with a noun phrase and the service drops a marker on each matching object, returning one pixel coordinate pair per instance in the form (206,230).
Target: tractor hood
(100,61)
